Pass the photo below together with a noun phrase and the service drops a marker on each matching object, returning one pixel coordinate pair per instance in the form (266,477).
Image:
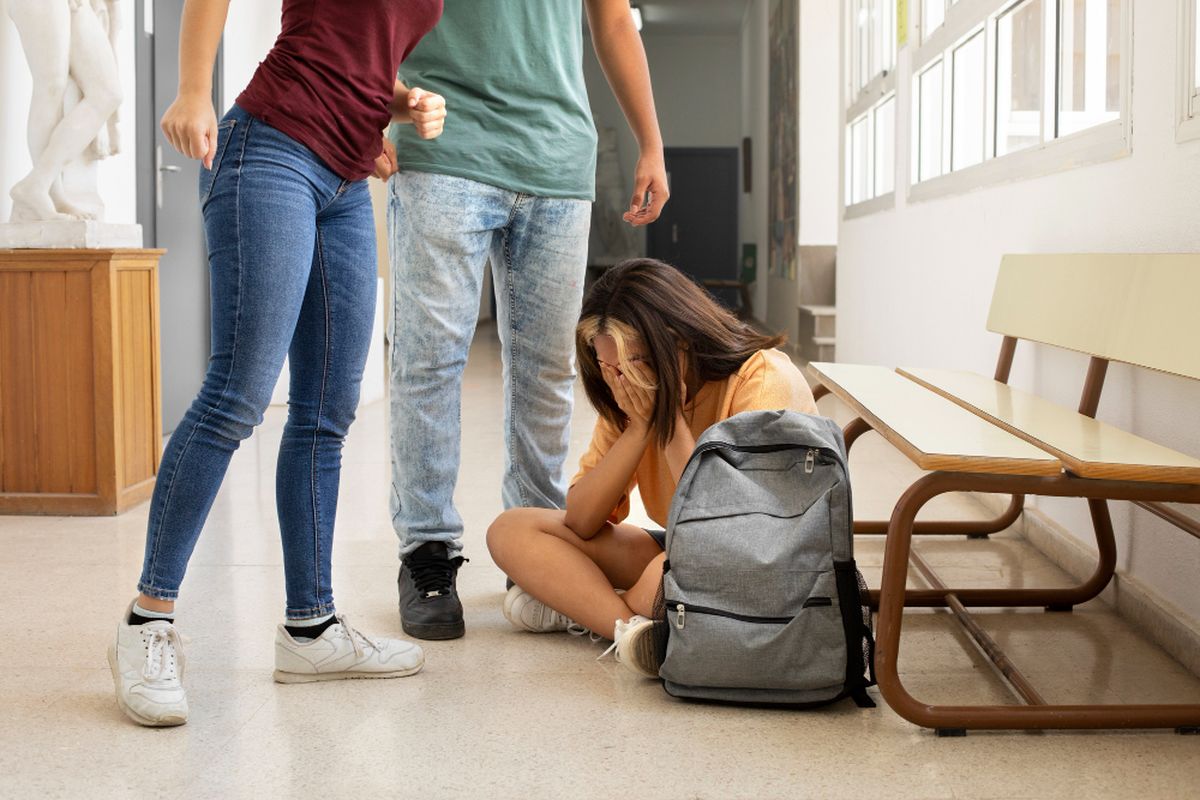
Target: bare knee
(507,535)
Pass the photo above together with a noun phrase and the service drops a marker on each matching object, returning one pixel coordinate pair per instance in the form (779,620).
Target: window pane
(885,147)
(860,153)
(1196,47)
(930,93)
(862,36)
(968,104)
(1019,78)
(932,16)
(883,22)
(1089,64)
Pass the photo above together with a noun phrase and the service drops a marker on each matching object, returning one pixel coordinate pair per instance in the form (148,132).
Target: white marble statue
(71,49)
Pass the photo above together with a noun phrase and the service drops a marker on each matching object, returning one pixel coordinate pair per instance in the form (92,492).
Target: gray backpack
(761,599)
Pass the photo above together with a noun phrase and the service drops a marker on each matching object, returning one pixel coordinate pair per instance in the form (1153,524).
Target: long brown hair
(665,310)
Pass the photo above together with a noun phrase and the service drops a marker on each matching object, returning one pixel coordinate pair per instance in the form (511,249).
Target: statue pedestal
(69,234)
(80,418)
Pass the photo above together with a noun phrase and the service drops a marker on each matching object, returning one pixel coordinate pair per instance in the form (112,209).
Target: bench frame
(893,596)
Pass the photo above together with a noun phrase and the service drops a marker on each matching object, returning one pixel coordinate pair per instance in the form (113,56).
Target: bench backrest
(1137,309)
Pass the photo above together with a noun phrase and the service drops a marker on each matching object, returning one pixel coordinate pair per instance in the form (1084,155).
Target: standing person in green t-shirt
(510,182)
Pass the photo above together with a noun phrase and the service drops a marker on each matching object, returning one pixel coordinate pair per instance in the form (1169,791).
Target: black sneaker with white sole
(429,604)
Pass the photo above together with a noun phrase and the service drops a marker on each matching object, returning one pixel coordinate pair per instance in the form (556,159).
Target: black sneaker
(429,604)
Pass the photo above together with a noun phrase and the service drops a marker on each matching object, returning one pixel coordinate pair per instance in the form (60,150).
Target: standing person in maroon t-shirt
(291,242)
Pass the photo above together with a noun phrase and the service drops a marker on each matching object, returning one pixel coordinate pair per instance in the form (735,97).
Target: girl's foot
(635,646)
(527,613)
(147,667)
(341,652)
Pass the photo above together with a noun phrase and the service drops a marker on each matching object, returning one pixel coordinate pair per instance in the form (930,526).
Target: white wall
(696,85)
(819,129)
(914,284)
(116,174)
(249,34)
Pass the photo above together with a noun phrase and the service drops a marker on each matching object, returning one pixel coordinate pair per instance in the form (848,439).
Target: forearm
(399,106)
(593,498)
(679,450)
(199,37)
(619,49)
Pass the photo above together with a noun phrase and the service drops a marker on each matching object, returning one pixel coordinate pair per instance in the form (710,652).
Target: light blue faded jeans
(444,231)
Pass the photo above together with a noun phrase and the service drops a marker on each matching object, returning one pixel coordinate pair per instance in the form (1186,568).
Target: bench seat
(935,433)
(1087,447)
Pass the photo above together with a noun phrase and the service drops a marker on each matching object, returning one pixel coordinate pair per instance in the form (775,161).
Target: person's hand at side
(386,164)
(650,191)
(190,125)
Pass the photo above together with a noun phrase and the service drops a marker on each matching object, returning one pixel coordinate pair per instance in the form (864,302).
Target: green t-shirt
(518,115)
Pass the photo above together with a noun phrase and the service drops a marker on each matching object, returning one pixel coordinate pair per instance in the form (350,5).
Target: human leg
(577,577)
(326,359)
(441,231)
(539,266)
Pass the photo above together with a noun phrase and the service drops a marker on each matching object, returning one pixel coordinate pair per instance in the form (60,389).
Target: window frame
(864,103)
(1103,142)
(1187,85)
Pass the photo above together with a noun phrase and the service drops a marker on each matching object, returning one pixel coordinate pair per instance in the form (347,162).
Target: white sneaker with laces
(527,613)
(633,642)
(342,652)
(147,665)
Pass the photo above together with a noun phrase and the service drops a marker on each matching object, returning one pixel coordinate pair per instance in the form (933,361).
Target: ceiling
(692,16)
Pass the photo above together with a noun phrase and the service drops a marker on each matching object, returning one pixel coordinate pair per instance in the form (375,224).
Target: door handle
(170,168)
(675,233)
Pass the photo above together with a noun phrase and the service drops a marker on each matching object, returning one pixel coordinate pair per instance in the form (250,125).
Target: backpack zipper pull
(810,461)
(679,616)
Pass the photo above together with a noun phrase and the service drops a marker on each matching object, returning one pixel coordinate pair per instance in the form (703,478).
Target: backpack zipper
(681,615)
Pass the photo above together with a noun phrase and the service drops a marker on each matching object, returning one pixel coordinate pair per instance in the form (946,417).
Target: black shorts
(660,537)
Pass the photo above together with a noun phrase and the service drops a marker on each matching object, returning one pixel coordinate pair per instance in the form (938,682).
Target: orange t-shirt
(768,381)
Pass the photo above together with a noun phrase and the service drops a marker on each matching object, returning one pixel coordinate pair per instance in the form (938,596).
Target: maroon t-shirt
(329,78)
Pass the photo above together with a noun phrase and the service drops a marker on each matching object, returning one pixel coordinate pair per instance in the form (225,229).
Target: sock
(140,616)
(304,630)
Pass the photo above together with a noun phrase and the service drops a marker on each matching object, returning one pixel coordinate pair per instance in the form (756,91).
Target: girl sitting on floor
(661,361)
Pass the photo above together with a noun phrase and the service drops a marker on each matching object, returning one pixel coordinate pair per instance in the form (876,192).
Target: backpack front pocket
(718,648)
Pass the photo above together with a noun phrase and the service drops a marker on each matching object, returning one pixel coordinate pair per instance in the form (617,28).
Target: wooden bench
(978,434)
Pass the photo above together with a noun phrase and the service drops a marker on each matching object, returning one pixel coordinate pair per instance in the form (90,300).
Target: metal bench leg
(952,719)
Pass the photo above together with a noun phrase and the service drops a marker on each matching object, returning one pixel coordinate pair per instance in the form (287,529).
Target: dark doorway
(698,230)
(169,209)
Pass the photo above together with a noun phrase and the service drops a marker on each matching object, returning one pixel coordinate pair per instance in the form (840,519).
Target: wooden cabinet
(80,384)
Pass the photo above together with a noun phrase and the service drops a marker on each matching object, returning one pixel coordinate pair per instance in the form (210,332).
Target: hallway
(507,714)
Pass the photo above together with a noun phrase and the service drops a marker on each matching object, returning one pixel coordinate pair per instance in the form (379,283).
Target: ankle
(155,605)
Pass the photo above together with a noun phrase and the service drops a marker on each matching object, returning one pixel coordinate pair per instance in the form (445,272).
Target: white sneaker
(341,652)
(633,642)
(147,667)
(527,613)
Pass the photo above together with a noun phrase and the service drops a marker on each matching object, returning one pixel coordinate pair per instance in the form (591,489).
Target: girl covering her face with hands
(660,361)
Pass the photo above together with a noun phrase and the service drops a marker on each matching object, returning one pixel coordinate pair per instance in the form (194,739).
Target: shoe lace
(434,577)
(619,630)
(162,644)
(357,638)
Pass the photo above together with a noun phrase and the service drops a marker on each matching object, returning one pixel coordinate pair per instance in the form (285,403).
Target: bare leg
(93,66)
(154,604)
(577,577)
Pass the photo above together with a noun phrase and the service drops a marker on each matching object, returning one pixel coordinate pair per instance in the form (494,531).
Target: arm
(190,124)
(680,448)
(592,499)
(619,48)
(425,110)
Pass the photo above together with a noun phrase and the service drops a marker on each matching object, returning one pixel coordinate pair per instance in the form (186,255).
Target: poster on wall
(784,133)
